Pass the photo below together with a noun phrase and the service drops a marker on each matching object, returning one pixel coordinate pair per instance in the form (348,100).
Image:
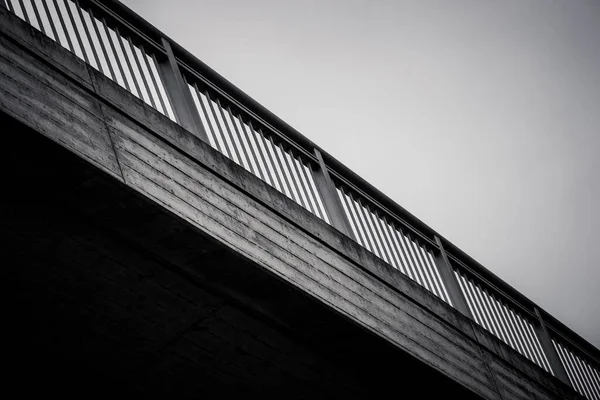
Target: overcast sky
(482,118)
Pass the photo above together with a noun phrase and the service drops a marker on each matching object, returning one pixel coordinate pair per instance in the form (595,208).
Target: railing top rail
(287,134)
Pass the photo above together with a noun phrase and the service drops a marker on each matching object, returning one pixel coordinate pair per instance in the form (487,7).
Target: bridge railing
(141,59)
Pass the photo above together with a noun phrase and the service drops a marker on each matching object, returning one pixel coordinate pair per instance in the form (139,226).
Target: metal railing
(142,60)
(104,45)
(495,314)
(389,241)
(256,149)
(583,375)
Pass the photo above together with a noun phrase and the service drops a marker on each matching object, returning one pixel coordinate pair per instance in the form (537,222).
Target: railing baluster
(102,46)
(88,36)
(49,16)
(36,14)
(63,26)
(24,10)
(76,31)
(549,350)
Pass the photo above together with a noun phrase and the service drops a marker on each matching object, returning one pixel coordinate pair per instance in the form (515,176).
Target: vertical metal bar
(364,214)
(405,241)
(525,339)
(510,328)
(266,157)
(102,46)
(24,11)
(595,374)
(390,244)
(414,273)
(416,256)
(280,167)
(376,220)
(309,173)
(77,35)
(361,237)
(179,95)
(230,120)
(38,17)
(305,171)
(435,275)
(271,161)
(140,69)
(226,131)
(54,31)
(572,359)
(493,313)
(482,307)
(326,189)
(304,186)
(255,149)
(356,207)
(64,26)
(289,159)
(563,357)
(438,277)
(6,4)
(551,354)
(160,87)
(116,54)
(300,184)
(120,39)
(595,380)
(88,33)
(464,283)
(584,377)
(198,100)
(543,361)
(594,383)
(207,114)
(449,279)
(391,230)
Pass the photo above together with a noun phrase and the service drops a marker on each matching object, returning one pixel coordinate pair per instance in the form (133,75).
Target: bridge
(166,235)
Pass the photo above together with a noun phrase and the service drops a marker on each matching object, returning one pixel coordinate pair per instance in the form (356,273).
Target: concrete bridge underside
(112,295)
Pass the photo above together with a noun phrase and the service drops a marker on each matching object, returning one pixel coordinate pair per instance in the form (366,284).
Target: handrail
(301,146)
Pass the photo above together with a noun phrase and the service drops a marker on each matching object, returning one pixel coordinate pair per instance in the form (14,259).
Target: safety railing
(583,375)
(511,324)
(142,60)
(256,148)
(391,242)
(122,57)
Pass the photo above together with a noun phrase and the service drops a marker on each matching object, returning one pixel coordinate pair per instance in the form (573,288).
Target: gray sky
(482,118)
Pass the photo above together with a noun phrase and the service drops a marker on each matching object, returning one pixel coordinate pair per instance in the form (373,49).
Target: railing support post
(179,94)
(449,279)
(331,201)
(549,349)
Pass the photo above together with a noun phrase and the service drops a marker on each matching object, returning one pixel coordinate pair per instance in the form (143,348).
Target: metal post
(179,94)
(549,349)
(331,201)
(449,279)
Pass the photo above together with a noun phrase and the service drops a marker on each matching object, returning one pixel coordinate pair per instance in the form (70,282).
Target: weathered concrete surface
(45,88)
(110,295)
